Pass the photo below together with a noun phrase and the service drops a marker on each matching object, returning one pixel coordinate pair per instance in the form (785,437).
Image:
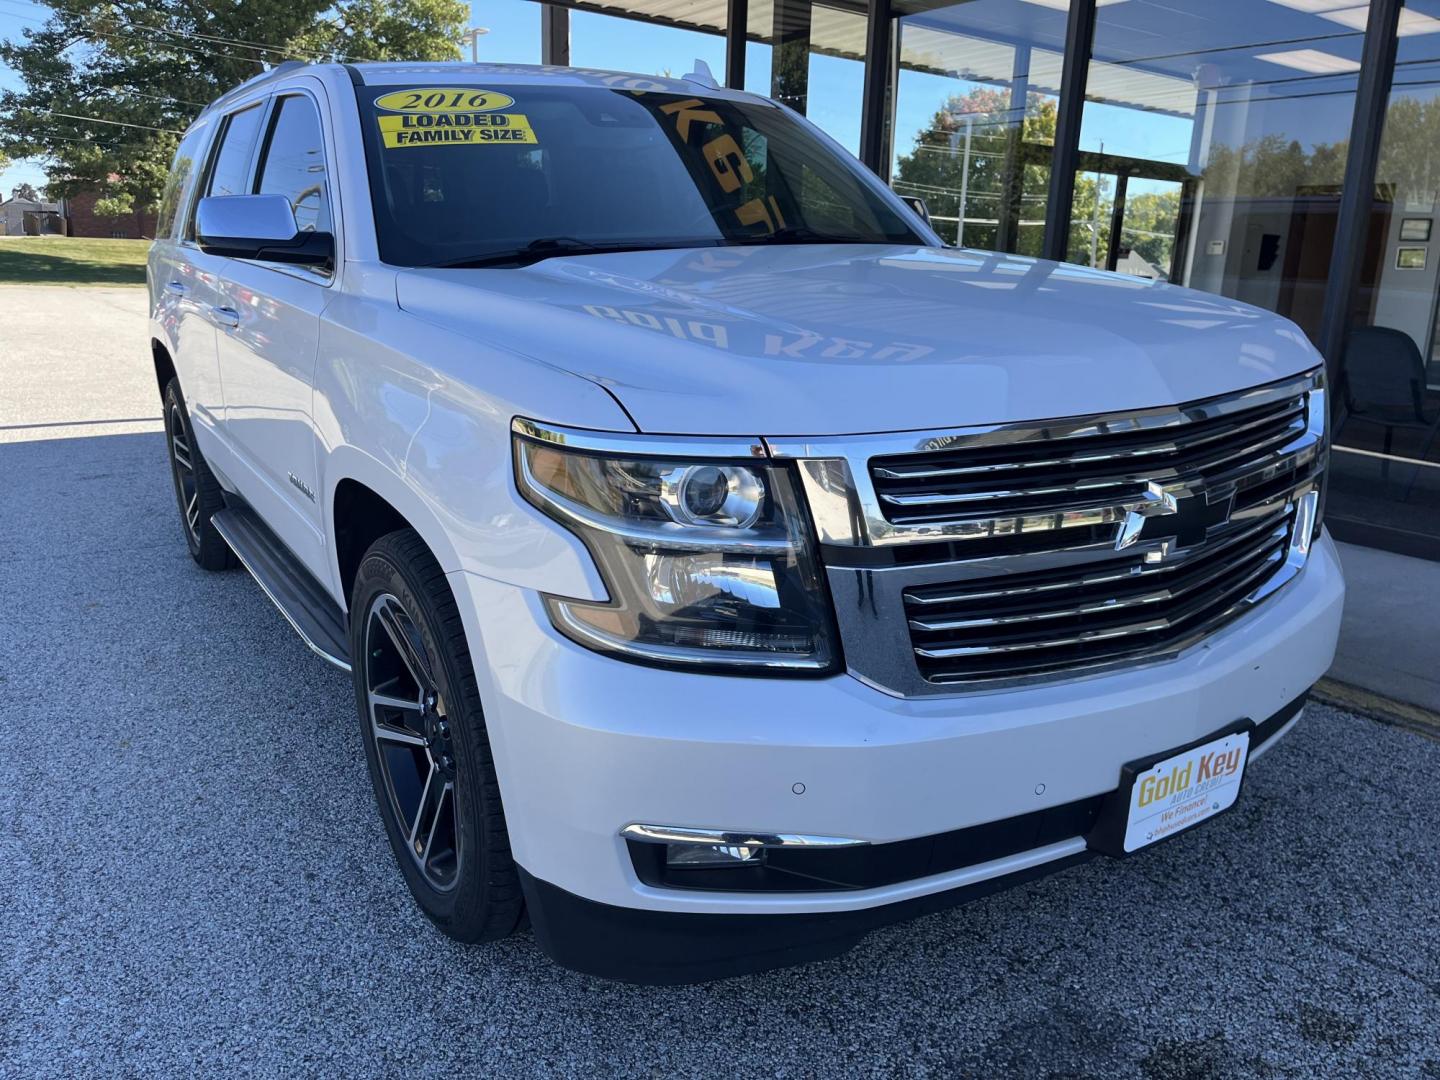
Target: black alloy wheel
(427,744)
(413,740)
(183,464)
(197,493)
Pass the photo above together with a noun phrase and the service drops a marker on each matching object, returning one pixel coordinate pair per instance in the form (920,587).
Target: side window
(294,163)
(230,174)
(181,180)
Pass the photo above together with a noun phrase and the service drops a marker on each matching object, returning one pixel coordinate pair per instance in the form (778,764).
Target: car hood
(839,339)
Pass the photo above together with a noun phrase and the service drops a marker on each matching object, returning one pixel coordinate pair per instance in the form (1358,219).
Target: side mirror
(259,227)
(918,205)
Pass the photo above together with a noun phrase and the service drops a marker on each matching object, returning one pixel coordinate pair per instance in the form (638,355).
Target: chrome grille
(1048,621)
(1081,473)
(986,557)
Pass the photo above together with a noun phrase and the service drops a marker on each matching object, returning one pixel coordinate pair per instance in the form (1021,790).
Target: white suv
(725,566)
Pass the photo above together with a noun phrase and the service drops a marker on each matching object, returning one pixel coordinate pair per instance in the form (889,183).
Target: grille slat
(1071,655)
(1249,574)
(1225,542)
(1117,598)
(1289,413)
(991,486)
(1088,610)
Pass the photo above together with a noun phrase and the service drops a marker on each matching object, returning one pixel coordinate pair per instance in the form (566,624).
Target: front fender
(421,415)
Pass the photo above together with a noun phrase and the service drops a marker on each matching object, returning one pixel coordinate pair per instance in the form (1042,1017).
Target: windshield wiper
(549,246)
(801,234)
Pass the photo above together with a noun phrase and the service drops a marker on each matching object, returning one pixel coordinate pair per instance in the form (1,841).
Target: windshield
(478,174)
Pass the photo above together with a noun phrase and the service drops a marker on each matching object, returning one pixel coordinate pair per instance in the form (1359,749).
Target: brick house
(83,221)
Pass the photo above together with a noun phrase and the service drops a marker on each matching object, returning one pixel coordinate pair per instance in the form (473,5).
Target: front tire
(197,492)
(426,743)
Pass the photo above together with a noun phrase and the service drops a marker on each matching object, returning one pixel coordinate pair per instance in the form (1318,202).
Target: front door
(268,339)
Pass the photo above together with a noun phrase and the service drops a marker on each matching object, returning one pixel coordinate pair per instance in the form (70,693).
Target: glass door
(1128,216)
(1148,236)
(1385,463)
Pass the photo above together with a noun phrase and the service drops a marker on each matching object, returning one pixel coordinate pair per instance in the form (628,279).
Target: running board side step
(291,588)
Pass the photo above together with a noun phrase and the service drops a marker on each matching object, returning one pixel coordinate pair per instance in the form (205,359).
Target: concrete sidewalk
(75,362)
(1390,637)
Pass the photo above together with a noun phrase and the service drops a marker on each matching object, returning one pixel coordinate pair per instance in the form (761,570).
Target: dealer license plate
(1185,789)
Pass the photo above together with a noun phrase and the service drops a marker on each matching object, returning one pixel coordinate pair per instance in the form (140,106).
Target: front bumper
(585,745)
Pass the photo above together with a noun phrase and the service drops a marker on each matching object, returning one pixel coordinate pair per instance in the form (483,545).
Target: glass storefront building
(1281,152)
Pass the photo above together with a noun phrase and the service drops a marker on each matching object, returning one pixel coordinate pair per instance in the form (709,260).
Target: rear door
(195,284)
(171,273)
(269,334)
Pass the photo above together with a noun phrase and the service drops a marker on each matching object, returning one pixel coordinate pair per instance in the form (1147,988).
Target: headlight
(708,561)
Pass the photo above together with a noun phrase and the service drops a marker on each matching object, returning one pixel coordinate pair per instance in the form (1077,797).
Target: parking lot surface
(193,879)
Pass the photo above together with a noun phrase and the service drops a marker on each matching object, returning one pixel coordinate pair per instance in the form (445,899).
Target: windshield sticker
(439,99)
(726,163)
(454,129)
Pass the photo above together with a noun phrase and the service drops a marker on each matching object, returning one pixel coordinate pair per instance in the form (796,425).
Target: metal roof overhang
(838,29)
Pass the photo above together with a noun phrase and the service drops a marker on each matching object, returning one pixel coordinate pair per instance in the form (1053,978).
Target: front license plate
(1161,796)
(1182,791)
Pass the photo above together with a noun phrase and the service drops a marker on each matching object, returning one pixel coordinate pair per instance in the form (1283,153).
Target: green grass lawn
(64,260)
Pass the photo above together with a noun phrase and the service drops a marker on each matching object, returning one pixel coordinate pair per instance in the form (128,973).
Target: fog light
(711,855)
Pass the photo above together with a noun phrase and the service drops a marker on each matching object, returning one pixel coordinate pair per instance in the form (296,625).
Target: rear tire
(426,743)
(197,493)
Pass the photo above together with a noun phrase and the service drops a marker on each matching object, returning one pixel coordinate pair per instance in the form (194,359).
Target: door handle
(177,287)
(225,316)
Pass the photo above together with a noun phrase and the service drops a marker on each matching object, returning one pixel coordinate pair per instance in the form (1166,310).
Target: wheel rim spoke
(390,733)
(406,641)
(186,489)
(179,446)
(421,815)
(412,741)
(445,797)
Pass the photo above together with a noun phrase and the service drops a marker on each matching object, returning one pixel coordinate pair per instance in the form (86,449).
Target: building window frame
(1372,93)
(1362,160)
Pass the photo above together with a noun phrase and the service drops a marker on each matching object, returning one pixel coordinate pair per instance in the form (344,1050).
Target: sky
(15,16)
(626,45)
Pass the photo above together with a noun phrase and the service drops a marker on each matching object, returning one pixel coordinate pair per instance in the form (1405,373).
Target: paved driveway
(193,878)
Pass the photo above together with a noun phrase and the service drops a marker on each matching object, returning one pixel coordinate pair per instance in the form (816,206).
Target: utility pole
(969,120)
(1095,219)
(472,38)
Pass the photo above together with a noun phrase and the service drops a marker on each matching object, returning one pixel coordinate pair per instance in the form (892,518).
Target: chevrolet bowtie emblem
(1177,517)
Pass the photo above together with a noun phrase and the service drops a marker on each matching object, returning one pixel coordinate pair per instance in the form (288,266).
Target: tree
(938,168)
(1271,166)
(109,87)
(1150,222)
(965,148)
(25,192)
(118,205)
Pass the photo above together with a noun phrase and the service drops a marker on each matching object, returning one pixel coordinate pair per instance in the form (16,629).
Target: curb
(1377,707)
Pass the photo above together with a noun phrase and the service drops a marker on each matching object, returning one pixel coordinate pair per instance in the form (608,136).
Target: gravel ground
(193,879)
